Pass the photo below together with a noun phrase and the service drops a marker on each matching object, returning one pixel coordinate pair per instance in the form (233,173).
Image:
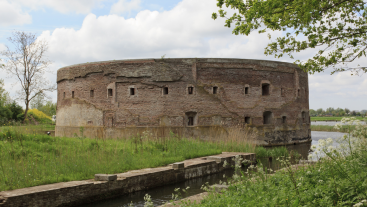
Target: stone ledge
(75,193)
(105,177)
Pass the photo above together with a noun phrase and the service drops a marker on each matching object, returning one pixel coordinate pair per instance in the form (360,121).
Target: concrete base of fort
(80,192)
(265,135)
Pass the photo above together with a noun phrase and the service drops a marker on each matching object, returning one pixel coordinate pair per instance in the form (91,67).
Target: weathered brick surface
(123,115)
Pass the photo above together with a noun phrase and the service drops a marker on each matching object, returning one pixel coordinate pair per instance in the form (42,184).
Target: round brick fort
(191,96)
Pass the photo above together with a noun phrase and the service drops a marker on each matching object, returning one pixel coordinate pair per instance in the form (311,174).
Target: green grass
(31,159)
(344,129)
(332,118)
(262,152)
(339,179)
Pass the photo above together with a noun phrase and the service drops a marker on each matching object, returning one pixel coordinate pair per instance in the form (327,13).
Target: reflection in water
(163,194)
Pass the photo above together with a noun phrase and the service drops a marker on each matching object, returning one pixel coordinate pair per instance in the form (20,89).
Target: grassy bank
(339,179)
(332,118)
(30,129)
(33,159)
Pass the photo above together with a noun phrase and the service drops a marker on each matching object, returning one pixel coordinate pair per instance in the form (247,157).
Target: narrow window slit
(191,90)
(165,90)
(72,94)
(92,93)
(246,90)
(215,90)
(132,91)
(110,92)
(284,119)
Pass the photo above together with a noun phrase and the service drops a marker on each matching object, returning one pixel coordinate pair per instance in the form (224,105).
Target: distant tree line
(337,112)
(11,111)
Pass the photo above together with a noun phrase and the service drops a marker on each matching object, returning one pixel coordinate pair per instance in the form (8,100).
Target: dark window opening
(299,93)
(64,95)
(215,90)
(91,93)
(267,117)
(282,91)
(247,120)
(72,94)
(303,117)
(284,119)
(110,92)
(191,121)
(246,90)
(132,91)
(191,118)
(191,90)
(165,90)
(265,89)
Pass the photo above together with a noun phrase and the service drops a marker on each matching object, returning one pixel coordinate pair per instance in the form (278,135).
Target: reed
(30,159)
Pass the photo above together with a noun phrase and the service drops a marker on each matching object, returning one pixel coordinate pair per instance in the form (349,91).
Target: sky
(80,31)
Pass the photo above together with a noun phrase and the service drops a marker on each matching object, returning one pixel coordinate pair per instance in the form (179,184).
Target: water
(161,195)
(330,123)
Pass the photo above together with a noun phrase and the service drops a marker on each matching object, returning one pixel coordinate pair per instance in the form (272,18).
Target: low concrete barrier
(80,192)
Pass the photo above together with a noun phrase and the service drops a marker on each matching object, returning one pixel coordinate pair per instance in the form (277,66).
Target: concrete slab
(105,177)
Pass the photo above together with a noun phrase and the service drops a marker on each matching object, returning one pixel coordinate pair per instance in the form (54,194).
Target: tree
(27,63)
(5,112)
(346,110)
(4,96)
(38,102)
(49,108)
(312,112)
(320,111)
(339,27)
(16,110)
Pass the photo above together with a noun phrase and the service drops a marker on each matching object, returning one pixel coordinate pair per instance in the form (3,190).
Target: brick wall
(118,113)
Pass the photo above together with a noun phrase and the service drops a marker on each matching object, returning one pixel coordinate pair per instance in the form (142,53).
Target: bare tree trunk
(25,112)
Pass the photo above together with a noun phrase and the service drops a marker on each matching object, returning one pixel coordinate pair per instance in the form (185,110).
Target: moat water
(163,194)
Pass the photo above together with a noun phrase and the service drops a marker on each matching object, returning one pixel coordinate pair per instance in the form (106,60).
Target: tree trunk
(25,112)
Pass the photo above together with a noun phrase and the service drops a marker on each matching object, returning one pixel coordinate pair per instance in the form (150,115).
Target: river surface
(330,123)
(163,194)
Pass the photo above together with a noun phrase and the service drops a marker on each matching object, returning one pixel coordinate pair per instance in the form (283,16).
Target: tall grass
(339,179)
(30,159)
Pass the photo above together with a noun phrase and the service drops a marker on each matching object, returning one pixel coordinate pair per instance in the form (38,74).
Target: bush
(39,116)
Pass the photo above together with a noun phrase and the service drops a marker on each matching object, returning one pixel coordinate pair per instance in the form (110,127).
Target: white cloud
(123,6)
(63,6)
(187,31)
(12,14)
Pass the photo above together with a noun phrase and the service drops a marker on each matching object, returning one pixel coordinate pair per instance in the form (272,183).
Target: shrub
(39,116)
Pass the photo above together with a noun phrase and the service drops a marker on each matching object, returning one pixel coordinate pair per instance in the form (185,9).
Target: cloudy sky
(81,31)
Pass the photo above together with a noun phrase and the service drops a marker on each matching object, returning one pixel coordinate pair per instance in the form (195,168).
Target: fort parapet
(191,96)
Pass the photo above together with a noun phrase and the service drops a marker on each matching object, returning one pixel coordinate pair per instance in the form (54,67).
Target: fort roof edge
(193,60)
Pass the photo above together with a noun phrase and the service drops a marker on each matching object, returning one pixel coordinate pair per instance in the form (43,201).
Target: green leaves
(336,27)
